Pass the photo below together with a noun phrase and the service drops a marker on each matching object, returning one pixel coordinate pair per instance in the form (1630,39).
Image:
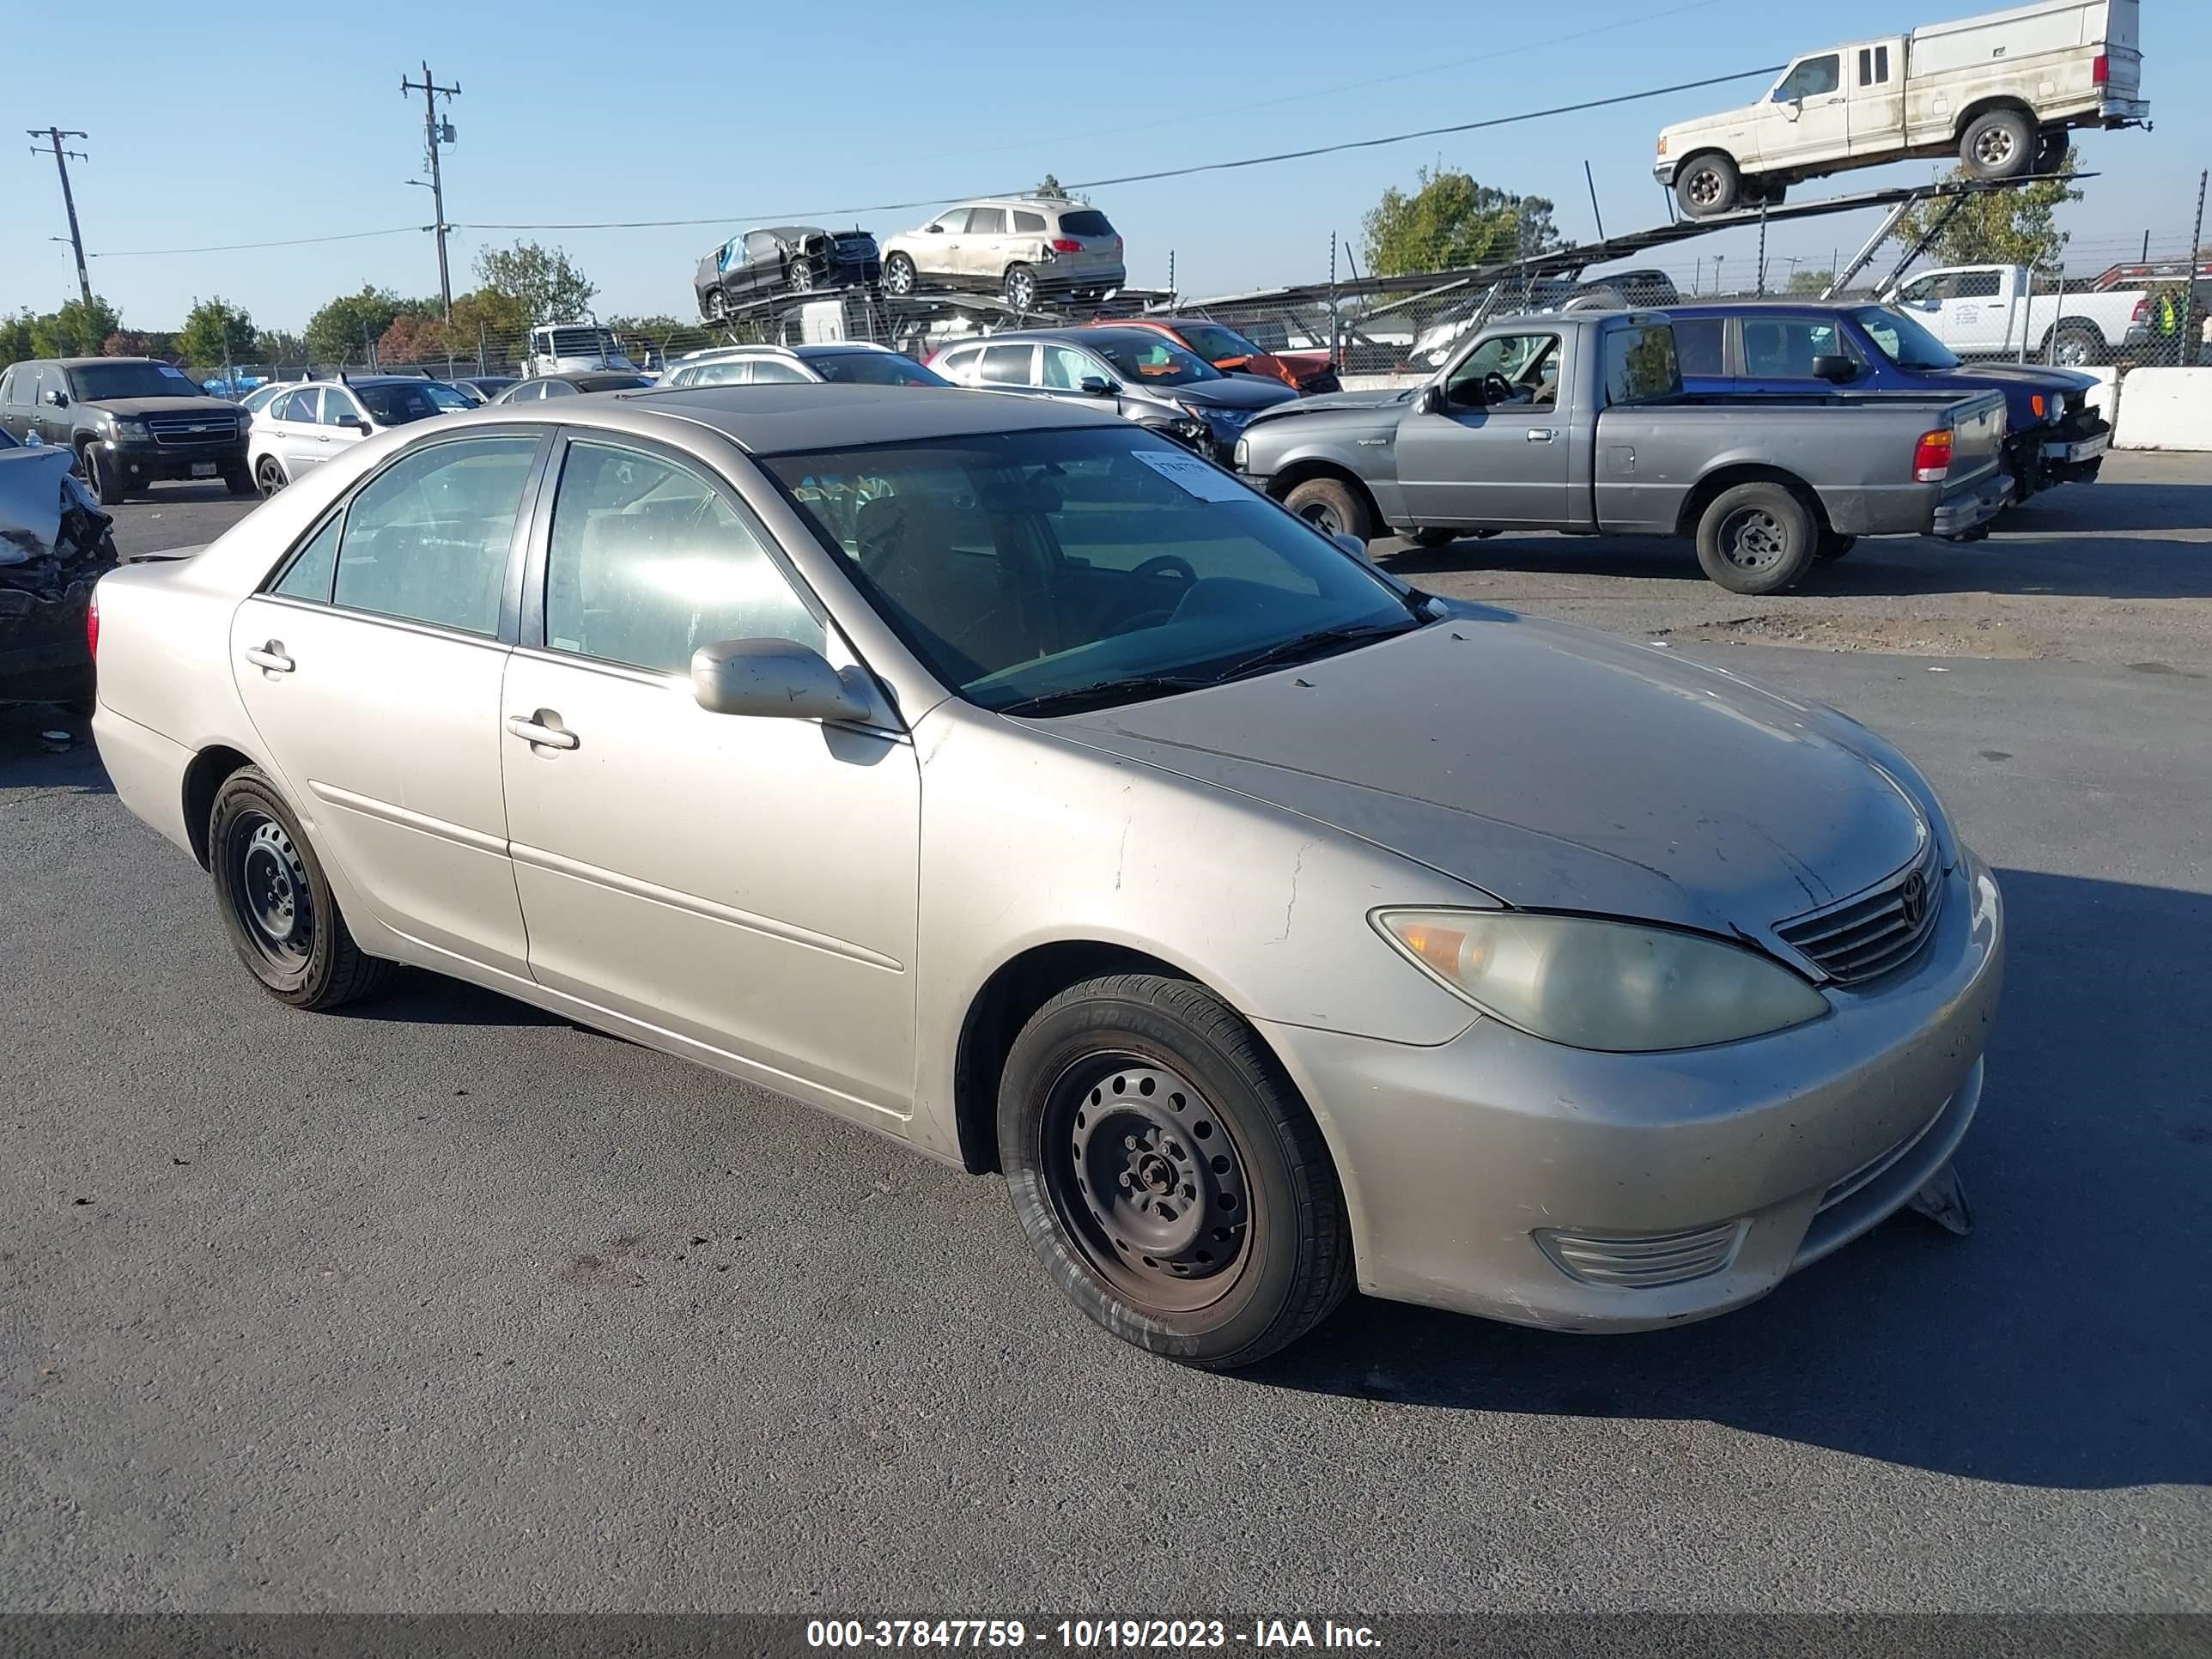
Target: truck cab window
(1809,78)
(1528,364)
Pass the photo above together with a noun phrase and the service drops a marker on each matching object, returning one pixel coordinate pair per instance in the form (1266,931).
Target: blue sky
(207,133)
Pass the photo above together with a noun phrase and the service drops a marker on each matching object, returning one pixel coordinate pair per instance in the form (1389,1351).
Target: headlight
(1605,985)
(132,429)
(1244,453)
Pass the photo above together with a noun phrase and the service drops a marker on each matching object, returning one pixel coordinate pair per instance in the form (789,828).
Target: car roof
(1765,302)
(1050,203)
(86,362)
(787,416)
(788,230)
(1077,335)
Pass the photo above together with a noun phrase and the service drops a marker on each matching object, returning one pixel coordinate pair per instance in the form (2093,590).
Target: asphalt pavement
(441,1302)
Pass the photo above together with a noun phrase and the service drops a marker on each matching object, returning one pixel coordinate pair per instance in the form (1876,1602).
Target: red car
(1226,349)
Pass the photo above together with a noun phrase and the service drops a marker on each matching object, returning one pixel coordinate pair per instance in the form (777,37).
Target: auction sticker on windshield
(1194,476)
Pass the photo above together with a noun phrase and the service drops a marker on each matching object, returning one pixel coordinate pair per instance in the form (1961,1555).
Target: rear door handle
(269,657)
(541,728)
(1540,434)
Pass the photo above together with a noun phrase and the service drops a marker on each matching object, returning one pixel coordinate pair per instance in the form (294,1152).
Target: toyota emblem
(1912,899)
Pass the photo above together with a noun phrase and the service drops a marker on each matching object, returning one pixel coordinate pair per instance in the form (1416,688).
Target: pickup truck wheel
(1168,1174)
(1833,546)
(275,902)
(1708,186)
(2075,345)
(1332,507)
(1999,145)
(1434,536)
(1756,538)
(2050,149)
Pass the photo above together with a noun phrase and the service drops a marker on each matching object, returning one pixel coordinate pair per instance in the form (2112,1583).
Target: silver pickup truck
(1578,422)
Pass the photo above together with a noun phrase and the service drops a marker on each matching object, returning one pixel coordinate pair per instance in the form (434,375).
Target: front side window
(774,370)
(1215,343)
(1903,341)
(338,408)
(1038,571)
(1065,368)
(427,540)
(1009,365)
(1639,364)
(949,224)
(556,389)
(1784,348)
(1150,359)
(874,369)
(1810,79)
(649,562)
(1528,364)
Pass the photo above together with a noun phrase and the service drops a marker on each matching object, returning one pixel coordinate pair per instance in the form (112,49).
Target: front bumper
(145,462)
(2076,451)
(1456,1158)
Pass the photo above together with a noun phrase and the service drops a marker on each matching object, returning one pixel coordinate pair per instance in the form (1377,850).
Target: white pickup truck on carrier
(2003,311)
(2000,90)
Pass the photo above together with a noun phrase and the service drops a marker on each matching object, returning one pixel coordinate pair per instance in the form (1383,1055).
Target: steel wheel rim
(1753,539)
(1994,148)
(1706,186)
(270,894)
(2071,352)
(1322,517)
(1147,1182)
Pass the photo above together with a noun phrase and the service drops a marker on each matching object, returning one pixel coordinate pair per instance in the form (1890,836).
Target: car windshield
(1048,571)
(1903,341)
(1150,359)
(1214,343)
(93,381)
(397,402)
(874,369)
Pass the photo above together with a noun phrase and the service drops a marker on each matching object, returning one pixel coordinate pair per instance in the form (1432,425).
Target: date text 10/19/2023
(1090,1635)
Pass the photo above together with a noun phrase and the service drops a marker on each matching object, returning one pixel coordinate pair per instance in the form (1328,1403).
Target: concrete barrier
(2166,409)
(2104,396)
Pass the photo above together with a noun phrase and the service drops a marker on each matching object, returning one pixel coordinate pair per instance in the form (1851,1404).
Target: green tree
(340,332)
(1809,282)
(2016,226)
(415,336)
(277,347)
(549,287)
(1451,221)
(15,337)
(78,329)
(215,331)
(1051,190)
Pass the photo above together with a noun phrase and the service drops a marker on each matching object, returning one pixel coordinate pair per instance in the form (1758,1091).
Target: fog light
(1642,1260)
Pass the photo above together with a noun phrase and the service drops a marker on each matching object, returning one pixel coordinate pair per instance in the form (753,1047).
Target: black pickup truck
(130,422)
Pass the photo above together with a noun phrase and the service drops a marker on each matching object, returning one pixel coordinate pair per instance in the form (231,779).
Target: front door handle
(269,658)
(541,729)
(1540,434)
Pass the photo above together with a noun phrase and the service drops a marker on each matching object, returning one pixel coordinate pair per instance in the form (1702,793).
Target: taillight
(2100,70)
(92,624)
(1065,244)
(2142,310)
(1931,458)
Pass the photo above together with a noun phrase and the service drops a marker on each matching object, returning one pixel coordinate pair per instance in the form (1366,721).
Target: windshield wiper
(1303,647)
(1129,689)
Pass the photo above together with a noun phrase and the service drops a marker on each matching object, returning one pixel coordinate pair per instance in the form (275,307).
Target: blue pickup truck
(2051,435)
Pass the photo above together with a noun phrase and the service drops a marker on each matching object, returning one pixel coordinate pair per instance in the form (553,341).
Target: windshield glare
(94,381)
(1214,343)
(874,369)
(1903,341)
(1149,359)
(1018,565)
(398,404)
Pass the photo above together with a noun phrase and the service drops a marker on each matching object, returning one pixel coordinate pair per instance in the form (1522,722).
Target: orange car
(1226,349)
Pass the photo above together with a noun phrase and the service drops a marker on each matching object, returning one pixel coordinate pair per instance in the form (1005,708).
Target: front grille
(1871,933)
(1646,1261)
(193,431)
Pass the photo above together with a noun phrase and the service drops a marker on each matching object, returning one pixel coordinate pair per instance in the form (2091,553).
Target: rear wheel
(2075,345)
(238,480)
(275,902)
(1021,290)
(1999,143)
(1332,507)
(1169,1176)
(2051,149)
(1756,538)
(268,475)
(1833,546)
(1708,184)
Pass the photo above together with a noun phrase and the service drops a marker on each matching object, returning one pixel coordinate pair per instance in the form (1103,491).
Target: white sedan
(313,422)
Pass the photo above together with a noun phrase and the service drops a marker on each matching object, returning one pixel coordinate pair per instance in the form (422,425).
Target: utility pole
(435,133)
(53,136)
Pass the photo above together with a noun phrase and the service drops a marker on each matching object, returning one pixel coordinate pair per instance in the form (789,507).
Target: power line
(241,247)
(1147,178)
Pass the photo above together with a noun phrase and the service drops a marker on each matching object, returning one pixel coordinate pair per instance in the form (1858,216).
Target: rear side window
(1028,222)
(1698,346)
(1639,363)
(1008,365)
(987,222)
(649,562)
(428,538)
(1085,222)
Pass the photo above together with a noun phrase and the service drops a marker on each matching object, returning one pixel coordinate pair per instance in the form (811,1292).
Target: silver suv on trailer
(1018,246)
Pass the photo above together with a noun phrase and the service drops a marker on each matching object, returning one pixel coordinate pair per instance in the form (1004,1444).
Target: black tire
(275,902)
(2050,149)
(1757,539)
(1708,186)
(1433,536)
(2075,344)
(1020,287)
(717,309)
(1833,546)
(268,475)
(899,276)
(1168,1174)
(107,485)
(1998,143)
(1332,507)
(238,481)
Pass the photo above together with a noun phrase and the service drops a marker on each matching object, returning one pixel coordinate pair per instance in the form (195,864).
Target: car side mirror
(1096,388)
(361,427)
(773,679)
(58,397)
(1431,400)
(936,230)
(1835,368)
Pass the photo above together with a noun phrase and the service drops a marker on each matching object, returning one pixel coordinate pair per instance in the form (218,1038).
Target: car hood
(2027,374)
(1553,768)
(1231,391)
(134,409)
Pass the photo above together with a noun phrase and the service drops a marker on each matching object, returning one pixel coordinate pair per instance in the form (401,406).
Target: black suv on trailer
(130,422)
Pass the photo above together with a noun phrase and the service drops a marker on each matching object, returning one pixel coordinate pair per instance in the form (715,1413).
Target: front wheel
(898,275)
(1332,507)
(1165,1170)
(718,306)
(1708,186)
(104,478)
(1756,538)
(275,902)
(238,481)
(799,276)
